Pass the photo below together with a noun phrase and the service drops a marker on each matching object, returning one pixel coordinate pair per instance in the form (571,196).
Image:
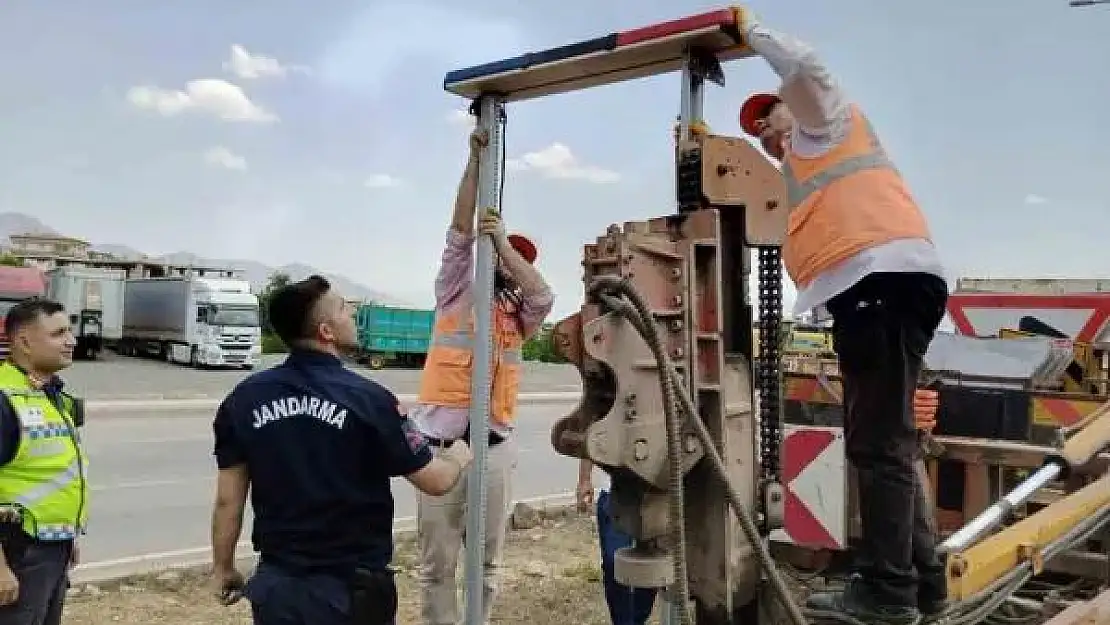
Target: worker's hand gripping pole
(490,110)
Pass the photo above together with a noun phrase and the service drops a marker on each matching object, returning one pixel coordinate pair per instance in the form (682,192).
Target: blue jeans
(278,598)
(627,606)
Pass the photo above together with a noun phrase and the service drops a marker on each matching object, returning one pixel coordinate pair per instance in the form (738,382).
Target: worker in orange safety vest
(858,248)
(522,301)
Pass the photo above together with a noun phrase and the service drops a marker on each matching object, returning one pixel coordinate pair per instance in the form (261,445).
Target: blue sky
(342,150)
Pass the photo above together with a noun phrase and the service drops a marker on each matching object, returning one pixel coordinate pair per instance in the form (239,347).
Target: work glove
(479,138)
(925,405)
(490,223)
(746,19)
(460,453)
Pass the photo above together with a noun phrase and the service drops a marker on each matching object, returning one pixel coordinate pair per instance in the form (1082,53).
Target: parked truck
(202,322)
(93,299)
(389,334)
(16,285)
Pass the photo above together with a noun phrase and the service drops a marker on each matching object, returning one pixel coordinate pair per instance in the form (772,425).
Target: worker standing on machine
(43,490)
(316,445)
(522,301)
(858,248)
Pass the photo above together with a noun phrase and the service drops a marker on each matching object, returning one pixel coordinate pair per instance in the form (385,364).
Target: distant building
(48,245)
(49,251)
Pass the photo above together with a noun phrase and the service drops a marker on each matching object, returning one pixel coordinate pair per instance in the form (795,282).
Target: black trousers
(881,329)
(42,569)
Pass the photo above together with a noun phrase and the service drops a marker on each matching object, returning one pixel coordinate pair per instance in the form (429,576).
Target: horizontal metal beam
(612,58)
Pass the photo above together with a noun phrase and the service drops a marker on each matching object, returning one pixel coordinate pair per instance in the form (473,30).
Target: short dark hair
(28,311)
(291,306)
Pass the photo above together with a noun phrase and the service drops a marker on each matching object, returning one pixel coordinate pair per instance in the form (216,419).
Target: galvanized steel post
(489,198)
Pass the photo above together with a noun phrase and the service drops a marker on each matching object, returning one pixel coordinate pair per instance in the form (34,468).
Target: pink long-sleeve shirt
(454,288)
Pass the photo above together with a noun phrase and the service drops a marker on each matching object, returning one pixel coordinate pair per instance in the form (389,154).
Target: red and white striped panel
(1081,316)
(815,476)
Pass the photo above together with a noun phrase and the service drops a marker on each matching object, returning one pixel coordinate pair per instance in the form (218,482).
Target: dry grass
(552,576)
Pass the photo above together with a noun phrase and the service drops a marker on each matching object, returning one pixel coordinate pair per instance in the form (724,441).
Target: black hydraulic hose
(645,324)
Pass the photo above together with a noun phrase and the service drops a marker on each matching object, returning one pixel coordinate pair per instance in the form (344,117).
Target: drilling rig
(683,406)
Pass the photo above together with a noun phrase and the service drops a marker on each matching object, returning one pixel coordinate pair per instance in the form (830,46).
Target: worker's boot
(856,601)
(931,596)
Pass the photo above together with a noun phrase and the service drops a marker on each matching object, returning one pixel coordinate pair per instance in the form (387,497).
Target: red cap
(524,246)
(756,108)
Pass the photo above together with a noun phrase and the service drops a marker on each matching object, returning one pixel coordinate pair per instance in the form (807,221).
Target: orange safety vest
(447,369)
(843,202)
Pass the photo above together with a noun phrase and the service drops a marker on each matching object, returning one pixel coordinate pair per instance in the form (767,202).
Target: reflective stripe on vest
(462,339)
(35,495)
(847,200)
(799,191)
(448,370)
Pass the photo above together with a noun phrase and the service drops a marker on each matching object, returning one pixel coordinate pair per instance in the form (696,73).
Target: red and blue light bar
(616,57)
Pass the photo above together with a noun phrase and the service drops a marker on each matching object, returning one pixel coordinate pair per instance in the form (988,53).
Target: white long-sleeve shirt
(822,118)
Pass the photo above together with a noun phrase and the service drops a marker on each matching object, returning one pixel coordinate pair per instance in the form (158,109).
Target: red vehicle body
(16,285)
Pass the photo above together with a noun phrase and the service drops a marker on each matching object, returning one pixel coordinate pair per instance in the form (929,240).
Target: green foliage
(270,343)
(9,260)
(541,347)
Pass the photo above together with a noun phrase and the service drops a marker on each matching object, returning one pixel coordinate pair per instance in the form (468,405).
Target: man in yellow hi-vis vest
(43,490)
(442,411)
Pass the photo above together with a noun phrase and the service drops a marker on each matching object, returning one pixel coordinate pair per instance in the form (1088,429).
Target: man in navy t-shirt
(315,445)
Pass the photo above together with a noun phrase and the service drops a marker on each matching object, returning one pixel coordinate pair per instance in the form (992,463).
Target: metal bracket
(704,65)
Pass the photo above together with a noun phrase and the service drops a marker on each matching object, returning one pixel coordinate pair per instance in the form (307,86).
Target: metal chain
(769,360)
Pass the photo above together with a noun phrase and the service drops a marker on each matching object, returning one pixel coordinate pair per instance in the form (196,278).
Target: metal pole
(691,102)
(1087,3)
(668,612)
(993,516)
(489,185)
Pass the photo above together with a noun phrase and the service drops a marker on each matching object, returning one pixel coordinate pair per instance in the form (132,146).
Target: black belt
(494,439)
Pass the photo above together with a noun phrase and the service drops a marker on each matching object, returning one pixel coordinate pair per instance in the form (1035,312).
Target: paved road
(152,479)
(118,377)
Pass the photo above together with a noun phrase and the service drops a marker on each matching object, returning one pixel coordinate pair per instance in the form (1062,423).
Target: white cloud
(249,66)
(220,156)
(214,96)
(381,181)
(461,117)
(557,161)
(1033,199)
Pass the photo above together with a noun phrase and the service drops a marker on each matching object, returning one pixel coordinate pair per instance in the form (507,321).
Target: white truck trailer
(93,299)
(202,322)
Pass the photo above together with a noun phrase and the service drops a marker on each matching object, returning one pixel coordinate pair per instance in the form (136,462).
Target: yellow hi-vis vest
(450,362)
(46,478)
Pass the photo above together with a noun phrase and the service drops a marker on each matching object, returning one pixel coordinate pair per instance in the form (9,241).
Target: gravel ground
(552,577)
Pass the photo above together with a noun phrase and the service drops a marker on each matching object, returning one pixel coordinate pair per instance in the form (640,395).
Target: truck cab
(228,326)
(199,321)
(16,285)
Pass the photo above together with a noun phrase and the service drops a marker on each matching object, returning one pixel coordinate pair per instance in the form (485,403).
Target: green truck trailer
(389,335)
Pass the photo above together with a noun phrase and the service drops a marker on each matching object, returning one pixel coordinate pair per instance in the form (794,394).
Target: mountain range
(257,273)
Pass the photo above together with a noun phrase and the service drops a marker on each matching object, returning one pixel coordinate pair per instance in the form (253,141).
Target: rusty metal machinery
(691,270)
(683,407)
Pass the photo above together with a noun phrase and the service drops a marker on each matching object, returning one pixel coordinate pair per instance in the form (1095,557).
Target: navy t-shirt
(320,443)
